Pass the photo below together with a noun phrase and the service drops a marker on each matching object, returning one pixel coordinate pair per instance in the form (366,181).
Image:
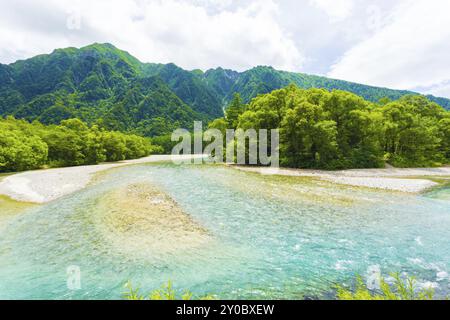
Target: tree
(20,152)
(412,138)
(115,146)
(94,149)
(338,130)
(234,110)
(25,146)
(444,132)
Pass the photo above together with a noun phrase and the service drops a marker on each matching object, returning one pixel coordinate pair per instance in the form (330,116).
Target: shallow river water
(217,230)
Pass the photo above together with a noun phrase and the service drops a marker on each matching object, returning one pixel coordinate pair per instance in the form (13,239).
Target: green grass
(401,289)
(166,292)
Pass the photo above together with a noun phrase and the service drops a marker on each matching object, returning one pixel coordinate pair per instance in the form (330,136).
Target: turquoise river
(214,229)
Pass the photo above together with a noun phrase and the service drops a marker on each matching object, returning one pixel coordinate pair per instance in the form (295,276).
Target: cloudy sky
(401,44)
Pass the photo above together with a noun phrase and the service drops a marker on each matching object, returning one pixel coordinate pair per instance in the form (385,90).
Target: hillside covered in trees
(103,85)
(339,130)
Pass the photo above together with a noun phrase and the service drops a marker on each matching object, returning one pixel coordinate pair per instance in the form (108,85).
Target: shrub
(401,289)
(166,292)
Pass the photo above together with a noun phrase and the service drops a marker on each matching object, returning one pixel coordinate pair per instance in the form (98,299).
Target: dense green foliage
(402,289)
(190,87)
(25,145)
(103,85)
(338,129)
(166,292)
(234,110)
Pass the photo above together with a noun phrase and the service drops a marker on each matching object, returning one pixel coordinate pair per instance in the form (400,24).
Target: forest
(25,146)
(340,130)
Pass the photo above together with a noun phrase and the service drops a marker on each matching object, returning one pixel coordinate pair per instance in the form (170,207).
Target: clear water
(271,237)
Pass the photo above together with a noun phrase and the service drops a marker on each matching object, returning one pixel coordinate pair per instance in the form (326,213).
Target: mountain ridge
(92,82)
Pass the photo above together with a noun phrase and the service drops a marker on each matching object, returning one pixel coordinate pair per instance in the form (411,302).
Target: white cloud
(183,32)
(402,44)
(411,51)
(337,10)
(439,90)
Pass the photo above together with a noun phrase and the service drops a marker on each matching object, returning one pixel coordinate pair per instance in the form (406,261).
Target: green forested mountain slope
(188,87)
(150,107)
(222,81)
(101,84)
(261,80)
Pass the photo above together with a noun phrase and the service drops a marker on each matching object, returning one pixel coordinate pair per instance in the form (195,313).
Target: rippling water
(268,237)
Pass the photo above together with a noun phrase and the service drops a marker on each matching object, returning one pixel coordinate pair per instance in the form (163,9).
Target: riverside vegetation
(166,292)
(400,289)
(340,130)
(25,146)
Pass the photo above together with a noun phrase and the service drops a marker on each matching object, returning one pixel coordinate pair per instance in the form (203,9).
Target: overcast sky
(401,44)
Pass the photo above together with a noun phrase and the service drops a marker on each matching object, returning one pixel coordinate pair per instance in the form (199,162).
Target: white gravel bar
(395,179)
(43,186)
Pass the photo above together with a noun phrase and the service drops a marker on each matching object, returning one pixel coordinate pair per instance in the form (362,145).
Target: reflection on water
(217,230)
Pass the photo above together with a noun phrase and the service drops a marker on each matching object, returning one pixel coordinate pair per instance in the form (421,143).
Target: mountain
(189,87)
(102,84)
(149,106)
(222,81)
(262,79)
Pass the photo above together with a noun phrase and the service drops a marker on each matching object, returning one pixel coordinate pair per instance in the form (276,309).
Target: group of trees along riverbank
(339,130)
(25,145)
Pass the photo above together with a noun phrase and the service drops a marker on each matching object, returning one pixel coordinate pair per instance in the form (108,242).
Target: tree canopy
(338,129)
(25,146)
